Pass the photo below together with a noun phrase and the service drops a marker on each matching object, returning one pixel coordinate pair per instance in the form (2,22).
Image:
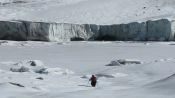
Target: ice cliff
(157,30)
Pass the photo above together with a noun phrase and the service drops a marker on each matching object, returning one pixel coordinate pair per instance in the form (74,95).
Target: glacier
(155,30)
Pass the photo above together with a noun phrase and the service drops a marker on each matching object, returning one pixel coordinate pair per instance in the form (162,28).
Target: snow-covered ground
(61,70)
(86,11)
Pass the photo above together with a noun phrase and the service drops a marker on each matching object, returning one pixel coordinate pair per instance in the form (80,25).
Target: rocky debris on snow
(12,2)
(114,63)
(36,66)
(124,62)
(19,69)
(129,61)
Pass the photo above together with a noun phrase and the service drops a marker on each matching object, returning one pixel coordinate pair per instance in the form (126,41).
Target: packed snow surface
(86,11)
(62,70)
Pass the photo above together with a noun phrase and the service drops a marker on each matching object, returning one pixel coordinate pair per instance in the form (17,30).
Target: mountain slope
(86,11)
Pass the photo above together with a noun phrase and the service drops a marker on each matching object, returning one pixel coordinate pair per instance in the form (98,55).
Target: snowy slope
(86,11)
(69,66)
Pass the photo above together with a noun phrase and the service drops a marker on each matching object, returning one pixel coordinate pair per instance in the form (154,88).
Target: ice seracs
(156,30)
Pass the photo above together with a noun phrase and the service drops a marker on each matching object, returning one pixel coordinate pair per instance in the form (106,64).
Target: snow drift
(165,83)
(159,30)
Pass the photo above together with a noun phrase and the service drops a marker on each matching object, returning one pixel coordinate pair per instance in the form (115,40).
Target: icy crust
(159,30)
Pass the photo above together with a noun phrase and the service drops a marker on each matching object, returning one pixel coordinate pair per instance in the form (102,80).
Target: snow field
(68,74)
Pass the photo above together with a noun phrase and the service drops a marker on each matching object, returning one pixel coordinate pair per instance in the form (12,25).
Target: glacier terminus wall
(158,30)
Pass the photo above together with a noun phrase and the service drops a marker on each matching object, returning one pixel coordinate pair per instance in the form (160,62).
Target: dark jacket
(93,80)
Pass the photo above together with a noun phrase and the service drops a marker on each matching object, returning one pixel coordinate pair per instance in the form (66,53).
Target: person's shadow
(84,85)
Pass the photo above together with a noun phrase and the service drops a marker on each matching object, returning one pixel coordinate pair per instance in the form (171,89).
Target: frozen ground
(86,11)
(68,67)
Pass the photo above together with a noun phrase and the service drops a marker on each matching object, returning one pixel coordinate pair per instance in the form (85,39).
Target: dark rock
(40,78)
(42,71)
(33,63)
(16,84)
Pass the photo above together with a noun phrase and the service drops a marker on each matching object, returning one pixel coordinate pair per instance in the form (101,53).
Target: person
(93,80)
